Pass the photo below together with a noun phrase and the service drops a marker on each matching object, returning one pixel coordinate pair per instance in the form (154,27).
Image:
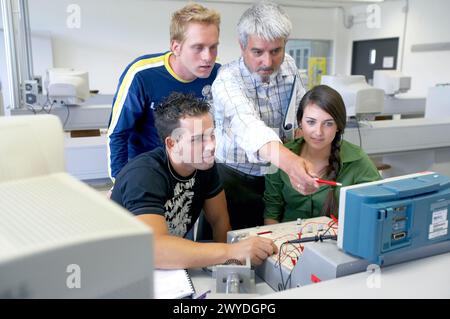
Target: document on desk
(172,284)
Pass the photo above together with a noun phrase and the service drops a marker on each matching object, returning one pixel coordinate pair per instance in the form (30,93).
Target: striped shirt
(249,113)
(145,83)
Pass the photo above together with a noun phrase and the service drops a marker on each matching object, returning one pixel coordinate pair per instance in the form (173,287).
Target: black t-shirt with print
(147,185)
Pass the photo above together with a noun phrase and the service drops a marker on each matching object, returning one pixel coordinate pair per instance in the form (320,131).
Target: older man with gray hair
(251,97)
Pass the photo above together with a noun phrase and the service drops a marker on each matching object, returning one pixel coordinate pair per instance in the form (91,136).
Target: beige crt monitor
(359,97)
(59,238)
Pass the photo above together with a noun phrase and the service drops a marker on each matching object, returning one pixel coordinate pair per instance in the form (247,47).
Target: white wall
(391,25)
(427,22)
(113,33)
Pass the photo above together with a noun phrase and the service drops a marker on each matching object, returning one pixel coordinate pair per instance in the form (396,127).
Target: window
(312,57)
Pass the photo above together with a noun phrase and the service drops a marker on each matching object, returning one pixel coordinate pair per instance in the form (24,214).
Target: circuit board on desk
(283,232)
(301,263)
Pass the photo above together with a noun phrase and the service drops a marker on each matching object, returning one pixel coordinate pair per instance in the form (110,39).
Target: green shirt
(284,203)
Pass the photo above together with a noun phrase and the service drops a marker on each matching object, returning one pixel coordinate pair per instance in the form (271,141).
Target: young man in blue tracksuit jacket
(189,67)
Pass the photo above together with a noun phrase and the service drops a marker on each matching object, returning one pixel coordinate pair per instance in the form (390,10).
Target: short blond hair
(190,13)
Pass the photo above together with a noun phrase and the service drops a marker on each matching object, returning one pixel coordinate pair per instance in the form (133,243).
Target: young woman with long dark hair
(322,120)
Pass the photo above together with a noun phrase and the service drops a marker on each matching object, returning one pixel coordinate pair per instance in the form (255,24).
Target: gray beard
(267,79)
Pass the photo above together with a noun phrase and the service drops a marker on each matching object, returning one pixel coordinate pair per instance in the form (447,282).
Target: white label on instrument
(439,224)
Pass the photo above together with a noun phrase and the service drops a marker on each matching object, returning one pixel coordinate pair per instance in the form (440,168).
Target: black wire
(288,280)
(51,107)
(301,82)
(45,105)
(281,270)
(205,269)
(48,102)
(279,101)
(316,238)
(331,225)
(283,284)
(359,132)
(67,116)
(42,107)
(30,108)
